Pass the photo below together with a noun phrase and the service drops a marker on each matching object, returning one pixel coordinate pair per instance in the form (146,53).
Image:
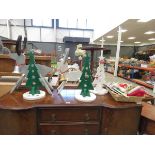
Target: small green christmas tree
(33,82)
(86,78)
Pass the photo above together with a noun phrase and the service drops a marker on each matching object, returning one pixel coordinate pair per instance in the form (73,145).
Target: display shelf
(138,81)
(136,67)
(151,49)
(134,80)
(142,83)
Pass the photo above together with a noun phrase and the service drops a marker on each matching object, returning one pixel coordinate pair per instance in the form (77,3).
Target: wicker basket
(122,98)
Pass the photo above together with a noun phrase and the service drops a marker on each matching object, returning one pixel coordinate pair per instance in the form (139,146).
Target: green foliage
(54,63)
(33,82)
(86,78)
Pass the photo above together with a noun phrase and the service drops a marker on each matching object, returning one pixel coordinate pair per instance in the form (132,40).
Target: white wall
(17,22)
(47,35)
(3,31)
(41,33)
(75,33)
(16,31)
(28,22)
(3,21)
(87,34)
(33,34)
(61,33)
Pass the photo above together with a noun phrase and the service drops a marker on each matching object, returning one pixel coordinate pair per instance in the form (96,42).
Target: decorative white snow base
(99,92)
(90,98)
(31,97)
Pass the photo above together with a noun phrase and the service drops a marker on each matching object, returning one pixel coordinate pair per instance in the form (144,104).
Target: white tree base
(31,97)
(90,98)
(99,92)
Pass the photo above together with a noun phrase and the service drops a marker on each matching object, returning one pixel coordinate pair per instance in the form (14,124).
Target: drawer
(66,129)
(69,114)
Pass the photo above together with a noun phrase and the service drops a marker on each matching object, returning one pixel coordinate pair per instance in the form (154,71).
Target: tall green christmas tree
(86,78)
(33,82)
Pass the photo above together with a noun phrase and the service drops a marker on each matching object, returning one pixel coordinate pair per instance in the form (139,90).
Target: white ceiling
(134,29)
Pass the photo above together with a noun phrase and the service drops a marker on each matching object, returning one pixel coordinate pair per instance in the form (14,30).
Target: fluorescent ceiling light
(101,40)
(151,39)
(149,32)
(137,42)
(131,38)
(143,20)
(123,30)
(110,36)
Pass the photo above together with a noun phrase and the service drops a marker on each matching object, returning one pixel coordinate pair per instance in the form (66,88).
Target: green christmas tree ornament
(86,83)
(86,78)
(33,80)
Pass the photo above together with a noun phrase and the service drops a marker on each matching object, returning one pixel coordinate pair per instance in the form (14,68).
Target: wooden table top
(15,101)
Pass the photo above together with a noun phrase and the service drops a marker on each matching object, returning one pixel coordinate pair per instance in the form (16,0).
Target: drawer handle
(86,131)
(53,132)
(87,118)
(53,117)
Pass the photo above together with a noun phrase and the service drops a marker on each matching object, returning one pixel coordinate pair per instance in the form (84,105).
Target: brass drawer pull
(53,117)
(53,132)
(86,131)
(87,118)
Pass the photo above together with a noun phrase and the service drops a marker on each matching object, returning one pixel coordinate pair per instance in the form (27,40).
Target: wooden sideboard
(64,115)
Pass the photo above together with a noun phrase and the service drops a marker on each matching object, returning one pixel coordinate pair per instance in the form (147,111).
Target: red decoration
(123,85)
(138,92)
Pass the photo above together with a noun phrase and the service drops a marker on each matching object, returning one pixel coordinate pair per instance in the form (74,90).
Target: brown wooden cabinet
(64,115)
(18,122)
(120,121)
(75,120)
(70,129)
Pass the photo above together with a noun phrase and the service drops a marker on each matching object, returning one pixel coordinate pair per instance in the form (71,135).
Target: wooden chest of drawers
(69,120)
(63,115)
